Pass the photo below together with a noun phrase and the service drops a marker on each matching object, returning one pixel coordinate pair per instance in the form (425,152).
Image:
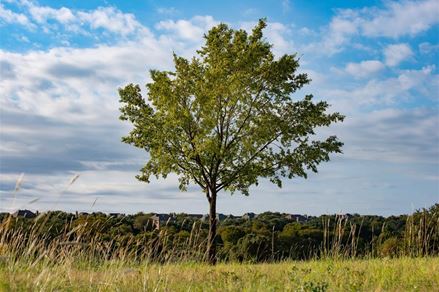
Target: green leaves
(227,117)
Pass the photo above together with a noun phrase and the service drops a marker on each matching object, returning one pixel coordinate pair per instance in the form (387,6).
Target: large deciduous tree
(227,117)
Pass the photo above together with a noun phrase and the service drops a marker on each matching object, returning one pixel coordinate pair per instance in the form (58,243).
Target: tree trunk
(211,244)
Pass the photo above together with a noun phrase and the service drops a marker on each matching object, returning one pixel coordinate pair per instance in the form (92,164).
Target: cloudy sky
(61,63)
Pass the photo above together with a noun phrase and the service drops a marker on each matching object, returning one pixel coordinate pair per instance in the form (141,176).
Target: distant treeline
(265,237)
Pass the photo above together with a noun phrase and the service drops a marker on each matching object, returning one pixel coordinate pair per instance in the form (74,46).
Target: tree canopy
(227,117)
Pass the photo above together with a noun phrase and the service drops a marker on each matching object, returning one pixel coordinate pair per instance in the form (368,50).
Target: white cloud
(15,148)
(395,20)
(22,38)
(78,85)
(409,85)
(426,48)
(339,33)
(11,17)
(395,54)
(364,68)
(280,36)
(306,31)
(276,33)
(167,11)
(109,19)
(189,30)
(192,31)
(103,186)
(401,18)
(392,135)
(42,14)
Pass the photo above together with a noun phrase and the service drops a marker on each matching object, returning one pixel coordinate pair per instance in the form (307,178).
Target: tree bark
(211,244)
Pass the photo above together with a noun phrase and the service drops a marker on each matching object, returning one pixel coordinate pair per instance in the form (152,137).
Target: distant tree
(143,223)
(227,117)
(253,247)
(231,234)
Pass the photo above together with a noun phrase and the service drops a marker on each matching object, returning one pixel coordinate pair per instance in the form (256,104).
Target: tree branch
(235,173)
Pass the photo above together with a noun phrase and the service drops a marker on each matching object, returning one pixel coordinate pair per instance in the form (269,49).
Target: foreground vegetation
(97,252)
(402,274)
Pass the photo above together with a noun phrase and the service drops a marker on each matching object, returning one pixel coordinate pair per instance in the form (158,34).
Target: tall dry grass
(340,241)
(421,236)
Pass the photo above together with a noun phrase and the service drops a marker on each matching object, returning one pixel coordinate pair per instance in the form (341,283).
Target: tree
(226,118)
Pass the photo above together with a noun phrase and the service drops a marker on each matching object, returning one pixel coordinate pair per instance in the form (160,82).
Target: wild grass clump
(420,237)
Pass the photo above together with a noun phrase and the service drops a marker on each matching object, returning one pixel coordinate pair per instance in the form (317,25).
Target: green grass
(402,274)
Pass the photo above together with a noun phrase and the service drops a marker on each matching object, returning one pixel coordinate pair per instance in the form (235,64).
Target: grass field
(403,274)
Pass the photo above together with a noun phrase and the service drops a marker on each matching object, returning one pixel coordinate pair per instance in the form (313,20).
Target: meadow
(399,274)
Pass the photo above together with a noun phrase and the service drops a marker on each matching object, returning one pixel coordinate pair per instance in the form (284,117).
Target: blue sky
(61,63)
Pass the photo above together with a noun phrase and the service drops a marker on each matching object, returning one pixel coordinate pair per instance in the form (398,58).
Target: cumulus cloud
(50,19)
(401,18)
(276,33)
(280,36)
(397,53)
(426,47)
(364,68)
(393,135)
(41,14)
(189,30)
(111,19)
(408,86)
(168,11)
(77,85)
(340,30)
(395,19)
(10,17)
